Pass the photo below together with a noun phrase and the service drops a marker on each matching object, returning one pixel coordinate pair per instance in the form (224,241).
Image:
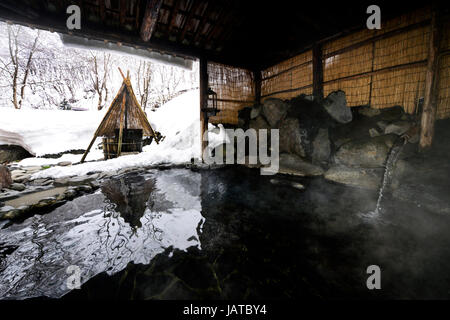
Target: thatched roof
(134,116)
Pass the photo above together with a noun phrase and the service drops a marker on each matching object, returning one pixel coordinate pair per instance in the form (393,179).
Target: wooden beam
(431,80)
(209,9)
(150,19)
(225,16)
(119,146)
(173,17)
(203,104)
(123,11)
(317,72)
(101,5)
(89,148)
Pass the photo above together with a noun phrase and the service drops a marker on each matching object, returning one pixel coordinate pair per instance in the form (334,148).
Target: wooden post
(317,72)
(89,148)
(257,77)
(203,104)
(119,147)
(431,79)
(150,19)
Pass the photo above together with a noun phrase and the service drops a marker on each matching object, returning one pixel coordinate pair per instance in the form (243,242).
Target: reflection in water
(130,219)
(130,196)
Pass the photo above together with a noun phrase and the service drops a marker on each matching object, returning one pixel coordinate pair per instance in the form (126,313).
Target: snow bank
(50,131)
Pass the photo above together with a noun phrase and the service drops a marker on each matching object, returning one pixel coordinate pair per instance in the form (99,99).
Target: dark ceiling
(250,34)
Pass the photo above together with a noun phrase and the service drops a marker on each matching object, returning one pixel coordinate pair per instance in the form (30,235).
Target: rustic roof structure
(125,112)
(248,34)
(134,116)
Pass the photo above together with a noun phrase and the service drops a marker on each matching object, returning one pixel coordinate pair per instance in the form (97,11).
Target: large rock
(391,114)
(259,123)
(274,110)
(11,153)
(336,105)
(368,153)
(293,139)
(5,177)
(398,127)
(369,112)
(294,165)
(244,117)
(321,147)
(255,112)
(17,186)
(355,177)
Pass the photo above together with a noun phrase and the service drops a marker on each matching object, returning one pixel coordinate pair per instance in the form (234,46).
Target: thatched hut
(124,125)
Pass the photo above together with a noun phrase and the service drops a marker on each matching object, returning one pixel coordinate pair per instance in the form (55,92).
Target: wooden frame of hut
(124,124)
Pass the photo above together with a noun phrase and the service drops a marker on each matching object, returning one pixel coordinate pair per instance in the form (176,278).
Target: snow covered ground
(50,131)
(55,131)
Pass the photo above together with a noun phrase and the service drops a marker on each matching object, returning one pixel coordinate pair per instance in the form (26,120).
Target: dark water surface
(226,234)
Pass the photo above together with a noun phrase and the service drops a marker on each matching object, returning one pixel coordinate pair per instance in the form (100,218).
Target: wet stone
(84,188)
(17,186)
(42,182)
(64,163)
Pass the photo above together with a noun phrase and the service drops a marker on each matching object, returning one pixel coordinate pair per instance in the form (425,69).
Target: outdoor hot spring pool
(228,233)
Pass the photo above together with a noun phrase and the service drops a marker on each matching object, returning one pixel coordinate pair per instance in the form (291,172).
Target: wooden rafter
(123,11)
(150,19)
(227,19)
(173,16)
(101,6)
(206,13)
(193,9)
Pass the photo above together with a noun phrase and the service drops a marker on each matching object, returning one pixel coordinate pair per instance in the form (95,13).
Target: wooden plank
(234,100)
(150,19)
(203,104)
(317,72)
(119,147)
(431,79)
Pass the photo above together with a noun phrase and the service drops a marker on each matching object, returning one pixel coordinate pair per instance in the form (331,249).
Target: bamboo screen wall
(289,78)
(370,69)
(235,89)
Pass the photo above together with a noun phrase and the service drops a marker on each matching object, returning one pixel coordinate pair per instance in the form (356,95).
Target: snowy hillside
(85,78)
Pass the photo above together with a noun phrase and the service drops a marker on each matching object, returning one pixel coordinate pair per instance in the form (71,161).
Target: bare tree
(99,76)
(168,85)
(144,78)
(20,64)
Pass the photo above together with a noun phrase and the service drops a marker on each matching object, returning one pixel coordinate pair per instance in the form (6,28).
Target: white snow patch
(50,131)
